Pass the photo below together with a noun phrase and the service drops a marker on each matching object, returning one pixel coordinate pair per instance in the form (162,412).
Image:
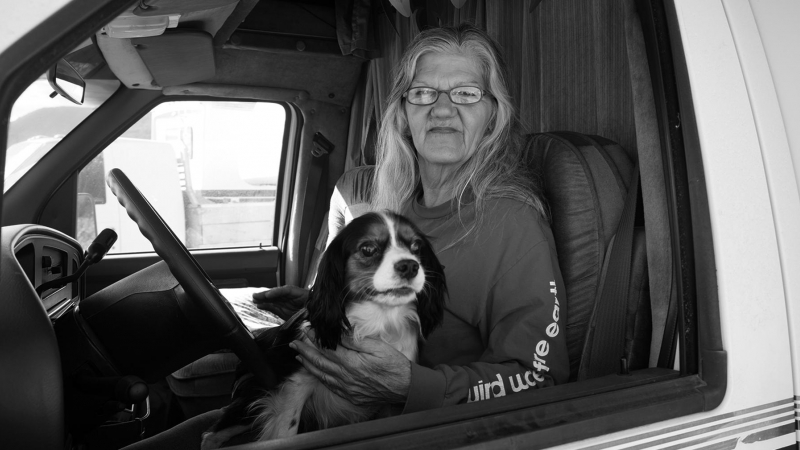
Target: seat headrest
(585,180)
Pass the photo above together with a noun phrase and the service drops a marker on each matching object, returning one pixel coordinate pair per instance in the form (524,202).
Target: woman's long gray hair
(494,170)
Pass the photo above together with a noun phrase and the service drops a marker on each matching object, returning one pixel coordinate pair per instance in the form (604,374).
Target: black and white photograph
(400,224)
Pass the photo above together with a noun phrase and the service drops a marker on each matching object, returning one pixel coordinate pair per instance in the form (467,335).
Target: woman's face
(447,134)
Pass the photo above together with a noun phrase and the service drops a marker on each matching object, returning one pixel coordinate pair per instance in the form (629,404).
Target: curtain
(568,66)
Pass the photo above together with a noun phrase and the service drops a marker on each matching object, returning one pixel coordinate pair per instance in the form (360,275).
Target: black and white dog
(378,278)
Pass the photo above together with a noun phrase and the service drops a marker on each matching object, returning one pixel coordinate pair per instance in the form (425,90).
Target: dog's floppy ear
(430,302)
(326,303)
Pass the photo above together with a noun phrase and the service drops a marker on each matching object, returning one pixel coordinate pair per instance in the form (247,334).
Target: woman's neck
(436,185)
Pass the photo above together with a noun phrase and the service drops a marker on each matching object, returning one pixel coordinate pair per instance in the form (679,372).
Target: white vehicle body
(742,58)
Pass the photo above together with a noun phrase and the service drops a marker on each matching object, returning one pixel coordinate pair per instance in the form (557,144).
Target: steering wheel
(210,303)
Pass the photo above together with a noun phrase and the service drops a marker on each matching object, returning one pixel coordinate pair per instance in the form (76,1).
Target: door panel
(227,268)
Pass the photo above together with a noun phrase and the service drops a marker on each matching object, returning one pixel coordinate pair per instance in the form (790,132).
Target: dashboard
(42,255)
(29,350)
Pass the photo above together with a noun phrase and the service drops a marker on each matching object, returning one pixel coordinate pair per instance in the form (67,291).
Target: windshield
(40,119)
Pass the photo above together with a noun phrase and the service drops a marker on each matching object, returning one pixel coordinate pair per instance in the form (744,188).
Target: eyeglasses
(461,95)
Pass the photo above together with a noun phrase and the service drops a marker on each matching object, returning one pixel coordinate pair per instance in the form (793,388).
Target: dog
(378,278)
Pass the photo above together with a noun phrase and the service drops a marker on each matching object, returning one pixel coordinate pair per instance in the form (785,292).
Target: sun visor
(164,42)
(125,63)
(166,7)
(178,56)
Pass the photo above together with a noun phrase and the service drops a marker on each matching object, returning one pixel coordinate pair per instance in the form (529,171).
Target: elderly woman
(448,158)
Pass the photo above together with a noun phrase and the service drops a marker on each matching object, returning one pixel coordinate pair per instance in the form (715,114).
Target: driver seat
(586,181)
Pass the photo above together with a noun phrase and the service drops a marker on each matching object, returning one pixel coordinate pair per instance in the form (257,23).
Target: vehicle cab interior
(208,137)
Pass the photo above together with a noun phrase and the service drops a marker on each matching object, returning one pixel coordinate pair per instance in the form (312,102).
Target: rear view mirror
(67,82)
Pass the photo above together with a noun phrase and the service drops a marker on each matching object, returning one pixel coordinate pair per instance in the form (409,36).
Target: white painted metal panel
(750,285)
(775,94)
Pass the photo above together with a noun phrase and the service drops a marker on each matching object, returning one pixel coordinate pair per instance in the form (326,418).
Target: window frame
(285,150)
(52,214)
(51,201)
(596,407)
(700,337)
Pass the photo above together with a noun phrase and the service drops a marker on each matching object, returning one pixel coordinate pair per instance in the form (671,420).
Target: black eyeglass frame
(483,93)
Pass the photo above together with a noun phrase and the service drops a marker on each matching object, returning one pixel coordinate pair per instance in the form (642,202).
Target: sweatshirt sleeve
(526,344)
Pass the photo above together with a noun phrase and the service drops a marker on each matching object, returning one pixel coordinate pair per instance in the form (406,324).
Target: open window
(210,168)
(628,86)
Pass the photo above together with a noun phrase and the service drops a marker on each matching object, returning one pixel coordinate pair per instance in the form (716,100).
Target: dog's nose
(406,268)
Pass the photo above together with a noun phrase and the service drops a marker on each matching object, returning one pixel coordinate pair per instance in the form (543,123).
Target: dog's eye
(368,250)
(415,246)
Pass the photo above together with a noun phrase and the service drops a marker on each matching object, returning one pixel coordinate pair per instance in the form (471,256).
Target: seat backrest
(585,181)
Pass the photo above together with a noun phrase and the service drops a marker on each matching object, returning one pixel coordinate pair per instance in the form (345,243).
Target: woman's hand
(368,372)
(282,301)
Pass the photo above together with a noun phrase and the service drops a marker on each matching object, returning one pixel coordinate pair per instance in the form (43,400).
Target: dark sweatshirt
(503,329)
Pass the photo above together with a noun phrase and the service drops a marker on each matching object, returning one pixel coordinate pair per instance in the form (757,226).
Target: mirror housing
(67,82)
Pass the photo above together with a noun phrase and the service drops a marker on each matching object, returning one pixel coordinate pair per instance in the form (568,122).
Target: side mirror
(67,82)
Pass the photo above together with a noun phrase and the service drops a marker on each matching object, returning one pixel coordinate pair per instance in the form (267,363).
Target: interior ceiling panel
(326,78)
(295,18)
(290,44)
(162,7)
(268,43)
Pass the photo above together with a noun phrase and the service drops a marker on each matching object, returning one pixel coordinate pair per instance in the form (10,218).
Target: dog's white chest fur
(396,325)
(280,412)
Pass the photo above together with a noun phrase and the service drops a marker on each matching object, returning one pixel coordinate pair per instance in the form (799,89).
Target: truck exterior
(735,65)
